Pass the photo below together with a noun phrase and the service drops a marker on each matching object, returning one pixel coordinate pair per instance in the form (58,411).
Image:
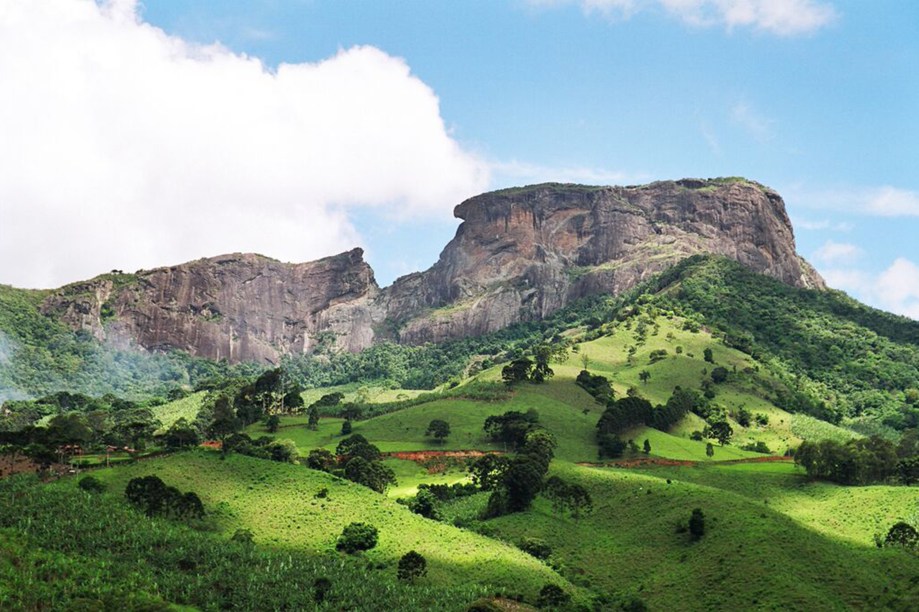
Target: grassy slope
(186,408)
(277,503)
(752,556)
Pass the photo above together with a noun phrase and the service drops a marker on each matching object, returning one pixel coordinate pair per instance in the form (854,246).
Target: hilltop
(519,255)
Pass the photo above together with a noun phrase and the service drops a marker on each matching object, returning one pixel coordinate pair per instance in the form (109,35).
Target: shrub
(91,484)
(321,588)
(552,596)
(697,524)
(902,534)
(412,566)
(243,536)
(536,547)
(151,496)
(356,537)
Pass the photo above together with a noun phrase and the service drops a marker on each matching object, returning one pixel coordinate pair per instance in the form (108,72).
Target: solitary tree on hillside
(411,566)
(439,429)
(644,376)
(707,354)
(647,446)
(709,450)
(697,524)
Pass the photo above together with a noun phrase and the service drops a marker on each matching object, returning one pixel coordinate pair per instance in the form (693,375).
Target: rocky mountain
(519,254)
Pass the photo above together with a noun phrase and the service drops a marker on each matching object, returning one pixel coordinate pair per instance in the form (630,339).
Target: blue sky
(818,99)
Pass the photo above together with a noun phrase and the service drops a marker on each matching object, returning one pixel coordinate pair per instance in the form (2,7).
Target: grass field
(186,408)
(279,504)
(753,555)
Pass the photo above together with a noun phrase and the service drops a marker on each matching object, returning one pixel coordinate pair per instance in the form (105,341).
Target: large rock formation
(523,253)
(239,307)
(519,254)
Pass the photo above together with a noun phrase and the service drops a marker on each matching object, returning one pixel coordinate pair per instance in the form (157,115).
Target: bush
(151,496)
(243,536)
(902,534)
(536,547)
(91,484)
(697,524)
(552,596)
(412,566)
(356,537)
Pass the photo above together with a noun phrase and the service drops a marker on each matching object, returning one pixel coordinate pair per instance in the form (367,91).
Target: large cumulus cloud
(124,147)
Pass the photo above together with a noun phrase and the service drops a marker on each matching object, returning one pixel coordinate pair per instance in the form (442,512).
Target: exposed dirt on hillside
(432,454)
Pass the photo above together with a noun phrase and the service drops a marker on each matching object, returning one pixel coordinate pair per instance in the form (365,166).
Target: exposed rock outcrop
(519,254)
(239,307)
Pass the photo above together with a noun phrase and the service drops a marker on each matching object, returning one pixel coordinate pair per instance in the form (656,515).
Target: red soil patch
(419,456)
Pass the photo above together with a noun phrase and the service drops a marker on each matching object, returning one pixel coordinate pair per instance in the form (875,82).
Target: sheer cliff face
(235,307)
(523,253)
(519,254)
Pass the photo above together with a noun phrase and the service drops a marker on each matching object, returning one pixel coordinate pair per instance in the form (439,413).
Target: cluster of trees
(597,386)
(355,459)
(862,461)
(536,370)
(514,480)
(153,497)
(634,410)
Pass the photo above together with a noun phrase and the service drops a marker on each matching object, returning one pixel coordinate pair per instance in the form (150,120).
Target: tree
(564,496)
(346,428)
(224,423)
(902,534)
(719,374)
(313,416)
(708,356)
(357,446)
(697,524)
(272,423)
(91,484)
(709,450)
(425,504)
(541,369)
(320,459)
(181,435)
(722,431)
(284,451)
(644,376)
(439,429)
(488,470)
(647,446)
(412,566)
(293,401)
(372,474)
(519,370)
(357,537)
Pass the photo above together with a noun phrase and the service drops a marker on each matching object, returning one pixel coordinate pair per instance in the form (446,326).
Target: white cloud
(896,289)
(837,252)
(517,172)
(884,201)
(780,17)
(892,202)
(124,147)
(823,224)
(751,120)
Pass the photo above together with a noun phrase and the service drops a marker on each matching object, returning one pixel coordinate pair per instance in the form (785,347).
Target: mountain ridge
(519,255)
